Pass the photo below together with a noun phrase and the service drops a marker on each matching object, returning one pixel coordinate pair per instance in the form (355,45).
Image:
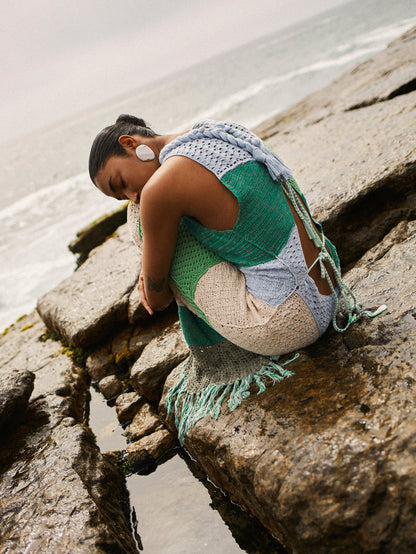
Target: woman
(224,229)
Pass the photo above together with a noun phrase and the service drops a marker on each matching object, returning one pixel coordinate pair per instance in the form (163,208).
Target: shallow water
(177,508)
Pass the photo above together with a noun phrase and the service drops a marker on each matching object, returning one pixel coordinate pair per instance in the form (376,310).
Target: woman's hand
(168,297)
(142,294)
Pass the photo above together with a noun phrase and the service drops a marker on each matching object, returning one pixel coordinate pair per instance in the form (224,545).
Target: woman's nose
(133,196)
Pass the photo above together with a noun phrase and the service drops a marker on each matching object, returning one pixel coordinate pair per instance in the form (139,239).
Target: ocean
(45,192)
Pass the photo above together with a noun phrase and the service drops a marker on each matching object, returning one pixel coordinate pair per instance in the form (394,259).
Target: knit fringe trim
(195,406)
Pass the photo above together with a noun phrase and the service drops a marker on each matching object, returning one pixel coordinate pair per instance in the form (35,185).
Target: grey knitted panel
(220,364)
(214,154)
(321,305)
(273,282)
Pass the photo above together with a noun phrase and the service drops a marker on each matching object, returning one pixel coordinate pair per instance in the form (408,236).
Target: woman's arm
(180,187)
(160,214)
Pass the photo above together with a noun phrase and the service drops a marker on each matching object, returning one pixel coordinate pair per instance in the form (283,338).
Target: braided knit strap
(237,135)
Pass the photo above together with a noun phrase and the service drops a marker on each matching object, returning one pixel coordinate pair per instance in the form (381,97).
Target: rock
(159,357)
(96,233)
(57,378)
(126,346)
(127,405)
(58,492)
(328,457)
(111,386)
(356,166)
(51,490)
(143,334)
(100,363)
(15,390)
(145,422)
(92,302)
(143,455)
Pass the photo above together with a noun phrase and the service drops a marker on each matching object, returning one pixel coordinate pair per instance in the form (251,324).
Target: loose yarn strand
(353,307)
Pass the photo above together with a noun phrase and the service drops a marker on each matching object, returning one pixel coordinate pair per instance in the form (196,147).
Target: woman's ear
(127,142)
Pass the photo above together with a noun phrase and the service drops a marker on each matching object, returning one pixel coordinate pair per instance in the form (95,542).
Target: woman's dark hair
(106,142)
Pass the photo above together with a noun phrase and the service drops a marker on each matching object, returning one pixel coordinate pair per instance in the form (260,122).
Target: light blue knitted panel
(236,135)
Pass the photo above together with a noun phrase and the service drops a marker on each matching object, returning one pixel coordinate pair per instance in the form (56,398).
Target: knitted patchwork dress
(244,295)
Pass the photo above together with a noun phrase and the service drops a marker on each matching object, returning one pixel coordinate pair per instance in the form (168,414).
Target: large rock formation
(327,459)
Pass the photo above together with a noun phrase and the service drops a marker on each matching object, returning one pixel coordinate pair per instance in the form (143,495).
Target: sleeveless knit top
(264,222)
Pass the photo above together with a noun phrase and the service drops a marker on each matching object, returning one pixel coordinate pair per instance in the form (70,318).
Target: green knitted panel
(255,237)
(195,330)
(191,260)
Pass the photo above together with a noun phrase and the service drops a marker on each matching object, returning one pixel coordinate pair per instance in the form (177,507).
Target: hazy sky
(59,57)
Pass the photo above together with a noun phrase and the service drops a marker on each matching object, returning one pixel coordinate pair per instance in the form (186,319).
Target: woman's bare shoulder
(193,190)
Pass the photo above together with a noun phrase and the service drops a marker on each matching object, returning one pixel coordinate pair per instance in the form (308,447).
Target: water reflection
(177,508)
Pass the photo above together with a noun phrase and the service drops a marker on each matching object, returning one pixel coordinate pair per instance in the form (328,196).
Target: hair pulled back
(106,142)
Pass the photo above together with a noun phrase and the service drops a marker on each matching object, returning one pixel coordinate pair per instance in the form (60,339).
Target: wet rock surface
(15,390)
(144,454)
(157,360)
(111,386)
(145,422)
(93,302)
(327,458)
(58,493)
(127,405)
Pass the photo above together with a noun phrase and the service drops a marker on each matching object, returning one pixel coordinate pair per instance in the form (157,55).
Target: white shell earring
(145,153)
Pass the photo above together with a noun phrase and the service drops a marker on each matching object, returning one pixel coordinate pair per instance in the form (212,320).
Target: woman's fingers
(142,294)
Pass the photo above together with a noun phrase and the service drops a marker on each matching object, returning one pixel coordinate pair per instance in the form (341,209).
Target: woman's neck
(162,140)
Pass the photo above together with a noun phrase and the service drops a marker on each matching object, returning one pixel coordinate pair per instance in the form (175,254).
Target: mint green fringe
(195,406)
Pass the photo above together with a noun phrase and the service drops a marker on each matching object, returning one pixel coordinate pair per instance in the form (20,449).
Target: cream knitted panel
(249,322)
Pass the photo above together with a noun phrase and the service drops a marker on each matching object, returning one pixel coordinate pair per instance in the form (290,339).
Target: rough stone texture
(127,405)
(143,454)
(93,301)
(58,493)
(159,357)
(145,422)
(326,459)
(15,390)
(126,346)
(356,166)
(135,310)
(96,233)
(111,386)
(100,363)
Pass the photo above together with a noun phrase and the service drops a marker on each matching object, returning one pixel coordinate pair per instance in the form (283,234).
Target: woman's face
(123,177)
